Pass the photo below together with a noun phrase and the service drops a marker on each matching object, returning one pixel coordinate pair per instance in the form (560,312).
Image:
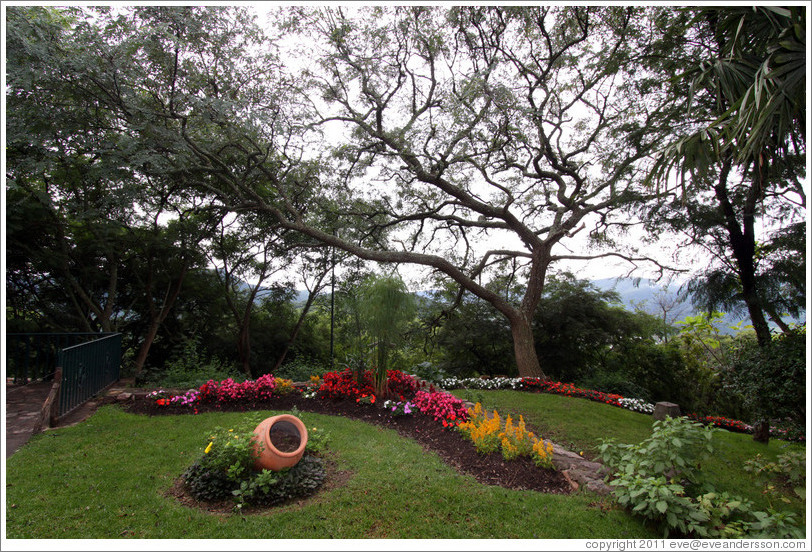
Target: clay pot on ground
(283,439)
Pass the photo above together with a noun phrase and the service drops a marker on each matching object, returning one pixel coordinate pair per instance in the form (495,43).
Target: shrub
(660,478)
(189,369)
(772,379)
(300,369)
(675,450)
(788,471)
(226,469)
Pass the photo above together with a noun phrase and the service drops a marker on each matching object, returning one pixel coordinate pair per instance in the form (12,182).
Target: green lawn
(107,478)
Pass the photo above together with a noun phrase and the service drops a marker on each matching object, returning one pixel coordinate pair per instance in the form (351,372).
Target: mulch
(449,444)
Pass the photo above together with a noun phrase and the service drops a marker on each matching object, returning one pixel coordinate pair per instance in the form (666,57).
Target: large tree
(476,136)
(470,138)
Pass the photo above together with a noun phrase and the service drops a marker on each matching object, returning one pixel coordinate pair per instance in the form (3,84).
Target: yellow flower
(230,430)
(208,448)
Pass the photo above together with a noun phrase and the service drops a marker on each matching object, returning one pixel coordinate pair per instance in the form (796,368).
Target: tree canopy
(478,142)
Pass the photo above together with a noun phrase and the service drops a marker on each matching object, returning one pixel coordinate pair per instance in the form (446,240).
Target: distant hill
(646,294)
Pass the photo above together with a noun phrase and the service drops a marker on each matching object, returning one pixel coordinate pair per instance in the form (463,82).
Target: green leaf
(661,506)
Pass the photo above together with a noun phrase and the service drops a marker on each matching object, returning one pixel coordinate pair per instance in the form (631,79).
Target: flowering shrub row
(488,434)
(228,391)
(638,405)
(724,423)
(568,389)
(482,383)
(443,407)
(343,385)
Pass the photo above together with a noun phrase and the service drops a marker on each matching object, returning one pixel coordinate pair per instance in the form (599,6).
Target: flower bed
(638,405)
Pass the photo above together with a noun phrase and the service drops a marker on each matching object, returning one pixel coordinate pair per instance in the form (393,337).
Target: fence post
(50,408)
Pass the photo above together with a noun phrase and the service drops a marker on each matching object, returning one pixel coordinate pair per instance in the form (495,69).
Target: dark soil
(449,444)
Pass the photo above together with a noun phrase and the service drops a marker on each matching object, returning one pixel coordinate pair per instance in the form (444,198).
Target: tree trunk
(311,297)
(156,319)
(777,319)
(524,346)
(143,351)
(761,432)
(743,245)
(244,349)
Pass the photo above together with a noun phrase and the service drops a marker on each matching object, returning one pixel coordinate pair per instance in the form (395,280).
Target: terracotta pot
(283,439)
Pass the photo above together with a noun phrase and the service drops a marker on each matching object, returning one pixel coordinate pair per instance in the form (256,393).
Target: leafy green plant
(190,369)
(317,441)
(260,484)
(386,307)
(226,469)
(231,451)
(300,369)
(772,380)
(788,471)
(675,450)
(656,477)
(206,483)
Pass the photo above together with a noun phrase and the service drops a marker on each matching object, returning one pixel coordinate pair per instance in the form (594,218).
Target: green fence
(87,369)
(33,356)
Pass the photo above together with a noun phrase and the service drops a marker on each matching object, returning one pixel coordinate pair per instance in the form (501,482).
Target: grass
(107,478)
(580,424)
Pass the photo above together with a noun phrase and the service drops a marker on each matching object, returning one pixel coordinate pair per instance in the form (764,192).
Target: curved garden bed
(449,444)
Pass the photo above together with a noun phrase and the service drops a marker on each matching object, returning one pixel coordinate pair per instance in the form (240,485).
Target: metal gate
(32,357)
(87,369)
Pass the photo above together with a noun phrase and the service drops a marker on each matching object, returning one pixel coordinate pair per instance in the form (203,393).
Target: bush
(300,369)
(190,370)
(226,469)
(772,379)
(660,479)
(675,450)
